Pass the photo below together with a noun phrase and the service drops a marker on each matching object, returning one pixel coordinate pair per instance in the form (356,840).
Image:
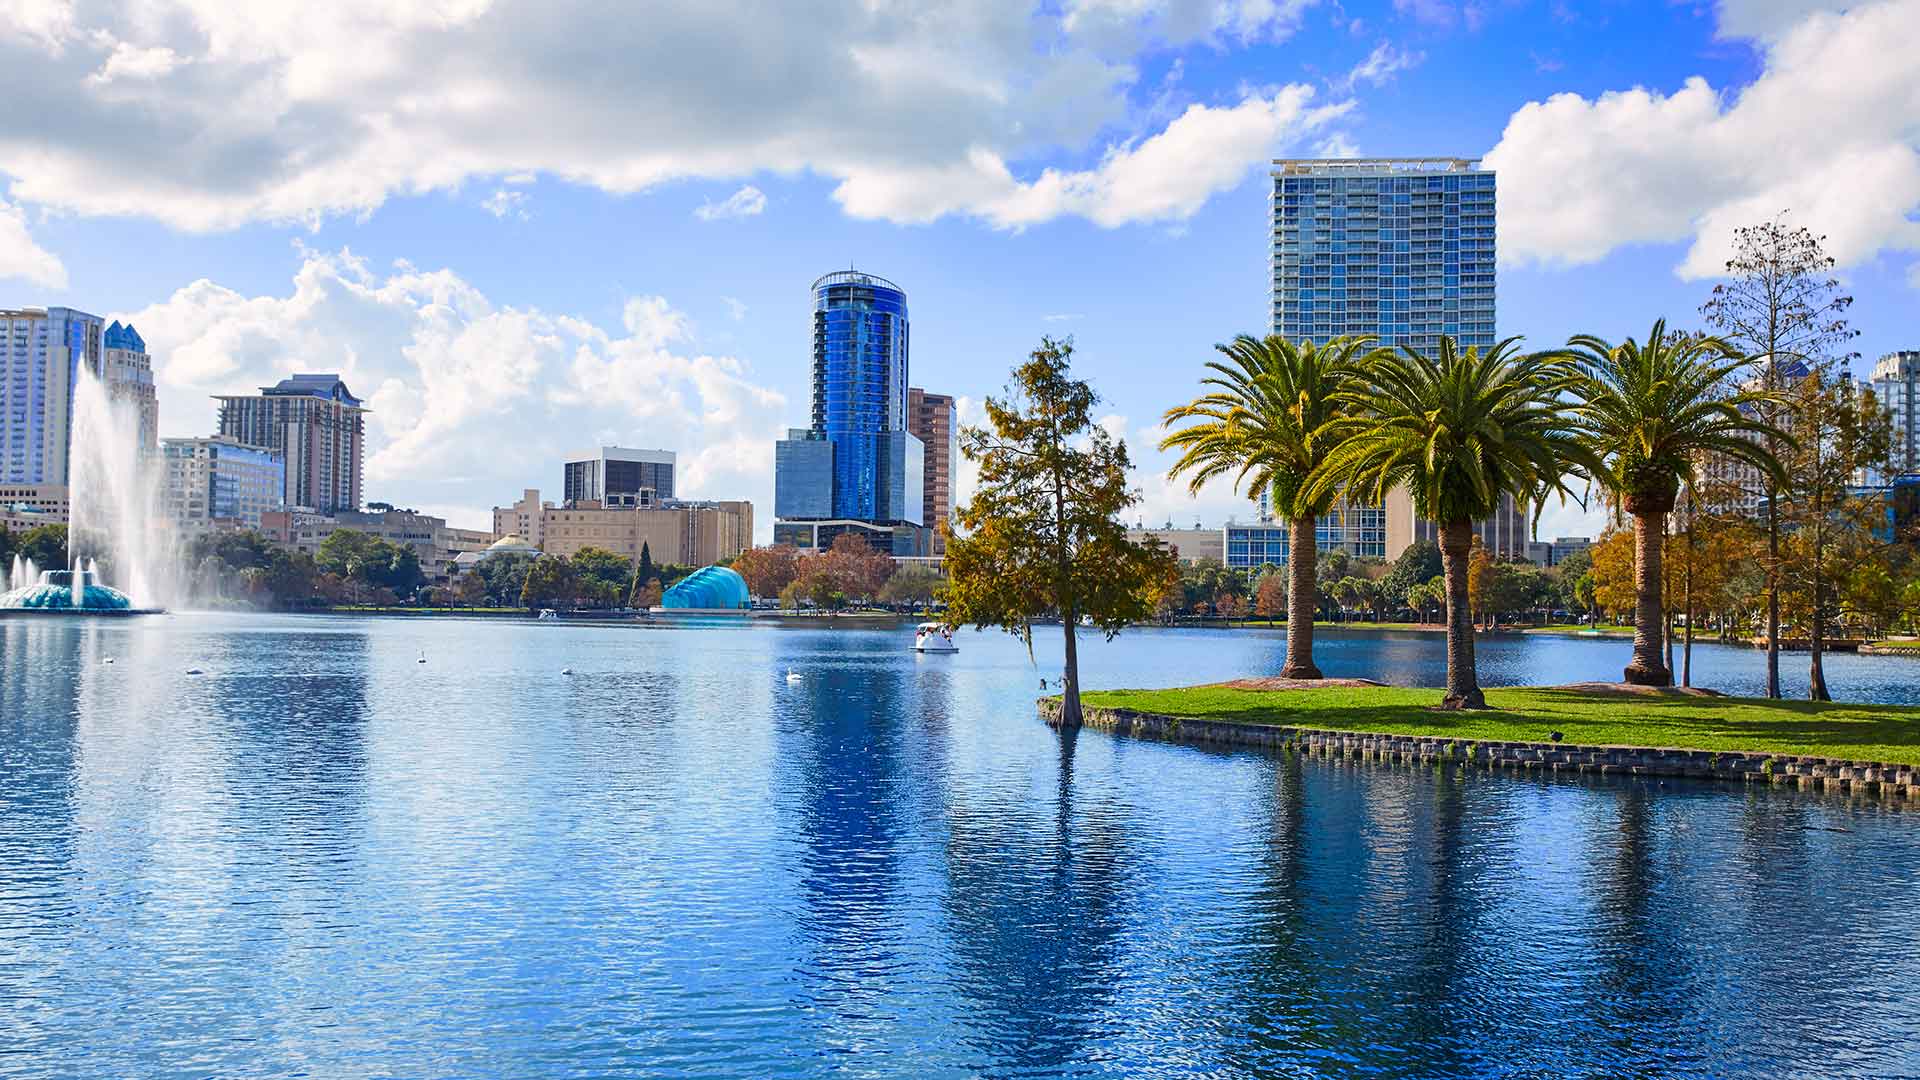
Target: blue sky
(521,229)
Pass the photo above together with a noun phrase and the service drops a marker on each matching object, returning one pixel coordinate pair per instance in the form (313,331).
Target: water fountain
(113,512)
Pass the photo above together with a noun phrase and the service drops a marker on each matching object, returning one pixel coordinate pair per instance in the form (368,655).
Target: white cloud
(284,112)
(748,202)
(1167,177)
(47,24)
(20,257)
(1123,23)
(471,401)
(736,308)
(1065,316)
(1580,178)
(1431,12)
(1768,18)
(1337,145)
(1381,65)
(506,202)
(131,62)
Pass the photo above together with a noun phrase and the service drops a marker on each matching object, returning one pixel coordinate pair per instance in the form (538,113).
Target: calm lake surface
(325,859)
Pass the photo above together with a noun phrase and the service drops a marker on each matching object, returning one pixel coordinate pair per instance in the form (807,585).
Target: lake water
(325,859)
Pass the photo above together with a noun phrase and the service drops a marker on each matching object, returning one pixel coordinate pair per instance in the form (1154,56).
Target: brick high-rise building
(933,419)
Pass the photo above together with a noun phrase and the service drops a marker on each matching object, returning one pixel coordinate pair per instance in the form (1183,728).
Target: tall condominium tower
(1401,249)
(1896,382)
(934,420)
(859,439)
(318,427)
(618,478)
(129,374)
(42,352)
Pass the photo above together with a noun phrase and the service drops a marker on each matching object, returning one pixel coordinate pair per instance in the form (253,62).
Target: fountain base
(69,592)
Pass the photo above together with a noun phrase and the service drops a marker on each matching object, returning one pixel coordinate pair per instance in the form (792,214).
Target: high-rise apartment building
(934,419)
(129,378)
(1896,383)
(216,482)
(318,426)
(616,477)
(859,437)
(42,355)
(42,351)
(1400,249)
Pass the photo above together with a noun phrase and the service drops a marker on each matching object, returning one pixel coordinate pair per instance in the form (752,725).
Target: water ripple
(323,859)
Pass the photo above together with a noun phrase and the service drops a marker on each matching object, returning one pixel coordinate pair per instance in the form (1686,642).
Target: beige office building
(1189,545)
(684,533)
(523,519)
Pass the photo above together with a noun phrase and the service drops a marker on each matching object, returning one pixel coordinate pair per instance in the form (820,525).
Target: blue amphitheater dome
(715,588)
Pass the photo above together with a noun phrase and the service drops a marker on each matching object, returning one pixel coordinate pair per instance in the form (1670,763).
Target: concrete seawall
(1834,775)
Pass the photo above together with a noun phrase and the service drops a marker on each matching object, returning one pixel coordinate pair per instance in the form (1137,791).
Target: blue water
(324,859)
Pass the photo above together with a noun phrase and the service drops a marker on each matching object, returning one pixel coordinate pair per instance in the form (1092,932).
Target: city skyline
(476,308)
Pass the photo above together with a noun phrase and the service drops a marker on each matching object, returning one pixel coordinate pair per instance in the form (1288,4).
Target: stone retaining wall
(1807,773)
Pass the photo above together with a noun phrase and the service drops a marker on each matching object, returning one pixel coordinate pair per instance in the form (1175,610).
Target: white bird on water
(107,660)
(423,657)
(566,671)
(792,675)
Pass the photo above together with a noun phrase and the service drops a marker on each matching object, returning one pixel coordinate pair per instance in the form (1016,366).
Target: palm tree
(1653,413)
(1459,429)
(1261,419)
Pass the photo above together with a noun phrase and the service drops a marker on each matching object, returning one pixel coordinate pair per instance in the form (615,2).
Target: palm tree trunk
(1463,683)
(1686,650)
(1302,600)
(1648,668)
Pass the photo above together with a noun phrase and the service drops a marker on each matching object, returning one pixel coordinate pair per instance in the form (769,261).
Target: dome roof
(511,544)
(715,588)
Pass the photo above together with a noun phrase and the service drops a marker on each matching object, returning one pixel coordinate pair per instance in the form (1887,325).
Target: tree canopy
(1042,533)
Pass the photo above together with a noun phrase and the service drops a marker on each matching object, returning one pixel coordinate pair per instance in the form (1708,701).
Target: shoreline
(1894,782)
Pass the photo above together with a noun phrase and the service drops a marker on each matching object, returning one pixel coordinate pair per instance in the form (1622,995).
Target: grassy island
(1593,717)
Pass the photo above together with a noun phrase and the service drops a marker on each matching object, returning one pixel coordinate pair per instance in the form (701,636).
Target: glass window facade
(802,476)
(616,476)
(860,339)
(41,353)
(1356,530)
(858,461)
(1402,250)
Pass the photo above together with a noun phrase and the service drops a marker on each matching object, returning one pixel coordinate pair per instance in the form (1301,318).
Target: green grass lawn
(1863,732)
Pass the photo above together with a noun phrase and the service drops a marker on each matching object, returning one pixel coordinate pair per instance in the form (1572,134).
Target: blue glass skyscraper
(858,439)
(860,388)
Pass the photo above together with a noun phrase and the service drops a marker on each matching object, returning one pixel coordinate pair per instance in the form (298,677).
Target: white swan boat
(933,637)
